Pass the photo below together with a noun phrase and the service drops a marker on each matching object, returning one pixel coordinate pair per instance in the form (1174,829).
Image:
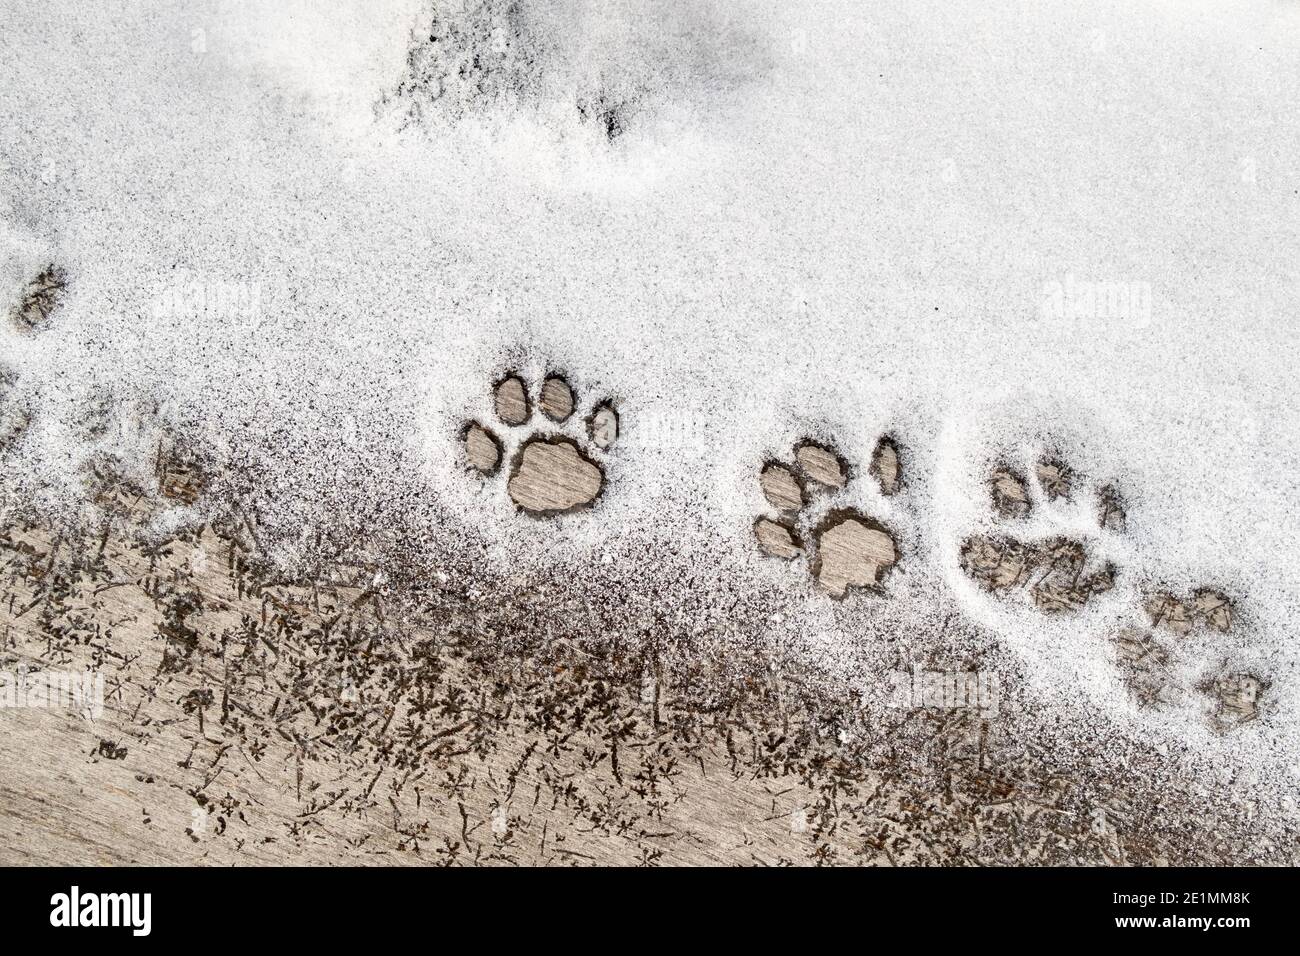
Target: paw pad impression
(1146,656)
(40,299)
(1058,571)
(549,473)
(850,549)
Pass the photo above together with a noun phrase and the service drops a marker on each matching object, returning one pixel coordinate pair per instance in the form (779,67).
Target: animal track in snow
(1058,572)
(31,315)
(40,299)
(551,473)
(1149,657)
(849,548)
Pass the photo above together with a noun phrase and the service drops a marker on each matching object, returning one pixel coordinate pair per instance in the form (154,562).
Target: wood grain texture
(356,716)
(852,552)
(552,476)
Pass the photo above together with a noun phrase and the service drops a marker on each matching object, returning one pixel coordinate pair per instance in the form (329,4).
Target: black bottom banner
(222,906)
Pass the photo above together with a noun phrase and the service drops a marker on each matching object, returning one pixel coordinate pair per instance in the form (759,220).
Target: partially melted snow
(988,231)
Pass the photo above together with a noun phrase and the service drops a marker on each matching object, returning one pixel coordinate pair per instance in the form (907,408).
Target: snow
(814,221)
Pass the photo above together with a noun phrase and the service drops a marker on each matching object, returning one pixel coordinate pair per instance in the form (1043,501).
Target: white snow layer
(314,242)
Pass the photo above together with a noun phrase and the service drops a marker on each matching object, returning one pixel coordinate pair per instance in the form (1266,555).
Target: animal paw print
(31,315)
(1058,573)
(553,473)
(40,300)
(1147,656)
(850,549)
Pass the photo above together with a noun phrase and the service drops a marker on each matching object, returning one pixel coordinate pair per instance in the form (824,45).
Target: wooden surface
(848,548)
(353,716)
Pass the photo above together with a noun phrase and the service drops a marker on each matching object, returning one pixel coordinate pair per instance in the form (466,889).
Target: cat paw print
(550,472)
(31,315)
(40,299)
(1058,572)
(1150,657)
(849,549)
